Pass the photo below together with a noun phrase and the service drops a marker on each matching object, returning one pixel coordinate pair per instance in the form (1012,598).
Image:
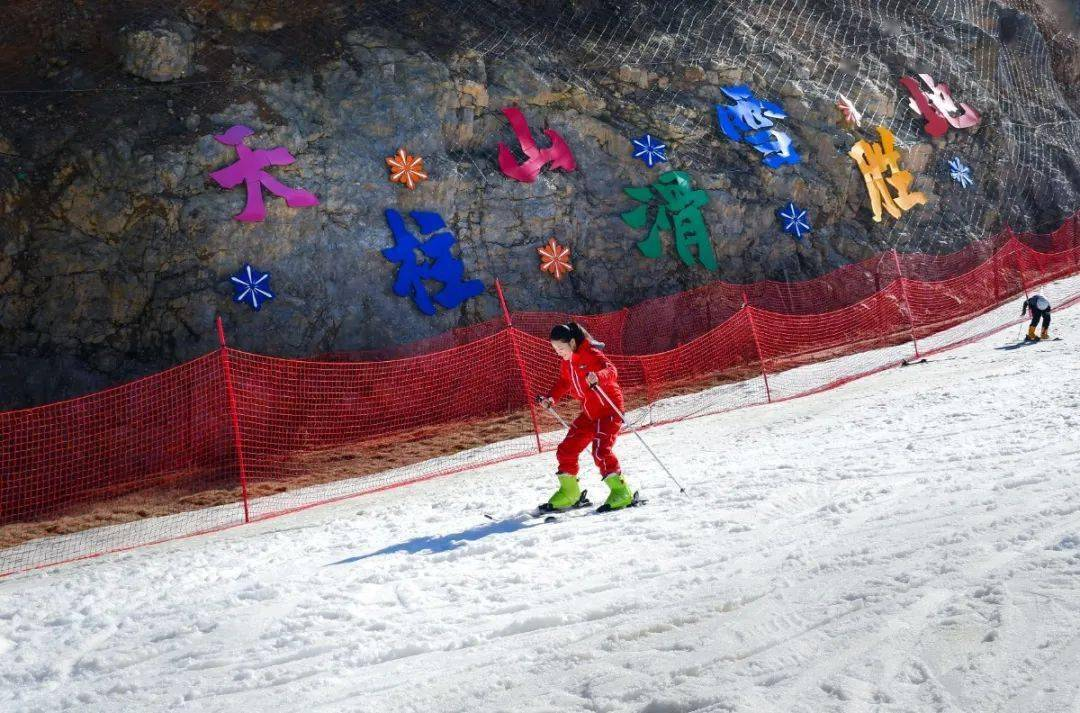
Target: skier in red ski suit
(583,374)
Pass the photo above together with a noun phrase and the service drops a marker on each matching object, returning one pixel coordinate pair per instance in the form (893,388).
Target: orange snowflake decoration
(406,169)
(554,258)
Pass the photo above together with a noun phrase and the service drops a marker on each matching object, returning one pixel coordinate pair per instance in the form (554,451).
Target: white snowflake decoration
(960,173)
(650,150)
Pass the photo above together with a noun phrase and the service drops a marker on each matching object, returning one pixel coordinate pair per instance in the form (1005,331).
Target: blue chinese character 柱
(438,264)
(750,119)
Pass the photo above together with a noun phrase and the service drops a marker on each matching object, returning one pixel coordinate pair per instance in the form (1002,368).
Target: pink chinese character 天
(249,170)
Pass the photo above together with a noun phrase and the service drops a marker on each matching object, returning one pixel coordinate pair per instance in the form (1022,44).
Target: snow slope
(909,542)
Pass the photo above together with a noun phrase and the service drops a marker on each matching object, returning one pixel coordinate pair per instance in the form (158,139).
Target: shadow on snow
(1010,347)
(445,543)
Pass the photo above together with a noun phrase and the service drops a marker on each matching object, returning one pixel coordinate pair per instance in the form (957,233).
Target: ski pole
(555,413)
(603,394)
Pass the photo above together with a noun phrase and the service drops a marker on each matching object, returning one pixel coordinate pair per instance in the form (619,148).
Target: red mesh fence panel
(663,324)
(169,431)
(1008,281)
(930,268)
(724,353)
(789,339)
(607,328)
(865,329)
(840,288)
(719,371)
(1036,267)
(291,405)
(935,306)
(315,423)
(1060,240)
(315,430)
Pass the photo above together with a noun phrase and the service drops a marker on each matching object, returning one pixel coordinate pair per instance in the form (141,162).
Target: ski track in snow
(909,542)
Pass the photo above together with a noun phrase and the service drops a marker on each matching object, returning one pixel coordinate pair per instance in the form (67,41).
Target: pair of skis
(550,514)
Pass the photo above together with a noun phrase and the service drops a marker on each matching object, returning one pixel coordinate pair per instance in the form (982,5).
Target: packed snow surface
(909,542)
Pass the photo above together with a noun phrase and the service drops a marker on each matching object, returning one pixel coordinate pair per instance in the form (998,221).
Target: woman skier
(587,375)
(1040,309)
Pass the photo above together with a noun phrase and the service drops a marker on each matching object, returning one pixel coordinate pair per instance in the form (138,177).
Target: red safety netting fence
(233,436)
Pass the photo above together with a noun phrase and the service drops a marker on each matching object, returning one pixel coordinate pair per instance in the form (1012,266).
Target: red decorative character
(937,106)
(558,155)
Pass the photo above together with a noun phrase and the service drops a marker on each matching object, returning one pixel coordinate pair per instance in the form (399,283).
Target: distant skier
(583,371)
(1040,309)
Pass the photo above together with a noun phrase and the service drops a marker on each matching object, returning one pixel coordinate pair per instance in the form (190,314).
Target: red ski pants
(601,433)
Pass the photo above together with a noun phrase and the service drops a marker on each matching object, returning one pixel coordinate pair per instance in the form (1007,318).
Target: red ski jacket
(572,381)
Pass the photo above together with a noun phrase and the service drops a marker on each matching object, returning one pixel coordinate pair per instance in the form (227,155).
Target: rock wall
(115,248)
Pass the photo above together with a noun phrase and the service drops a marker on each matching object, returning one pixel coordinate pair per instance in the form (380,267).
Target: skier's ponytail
(573,331)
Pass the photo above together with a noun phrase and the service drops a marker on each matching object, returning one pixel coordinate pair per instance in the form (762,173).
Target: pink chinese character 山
(558,155)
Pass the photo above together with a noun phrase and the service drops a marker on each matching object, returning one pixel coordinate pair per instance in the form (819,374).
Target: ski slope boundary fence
(242,432)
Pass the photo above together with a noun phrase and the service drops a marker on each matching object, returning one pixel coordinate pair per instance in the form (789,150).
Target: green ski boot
(568,494)
(620,495)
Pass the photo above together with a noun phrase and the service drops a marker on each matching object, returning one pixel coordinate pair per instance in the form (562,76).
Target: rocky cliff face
(115,248)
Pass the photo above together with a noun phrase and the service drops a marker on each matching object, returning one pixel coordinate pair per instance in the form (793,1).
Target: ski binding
(545,509)
(636,502)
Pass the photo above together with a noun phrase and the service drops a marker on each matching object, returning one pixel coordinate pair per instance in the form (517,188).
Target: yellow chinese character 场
(873,160)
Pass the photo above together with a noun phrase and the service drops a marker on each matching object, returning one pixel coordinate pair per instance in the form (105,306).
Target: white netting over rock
(660,66)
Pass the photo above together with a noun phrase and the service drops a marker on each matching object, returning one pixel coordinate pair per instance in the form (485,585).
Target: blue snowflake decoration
(960,173)
(795,220)
(252,286)
(649,150)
